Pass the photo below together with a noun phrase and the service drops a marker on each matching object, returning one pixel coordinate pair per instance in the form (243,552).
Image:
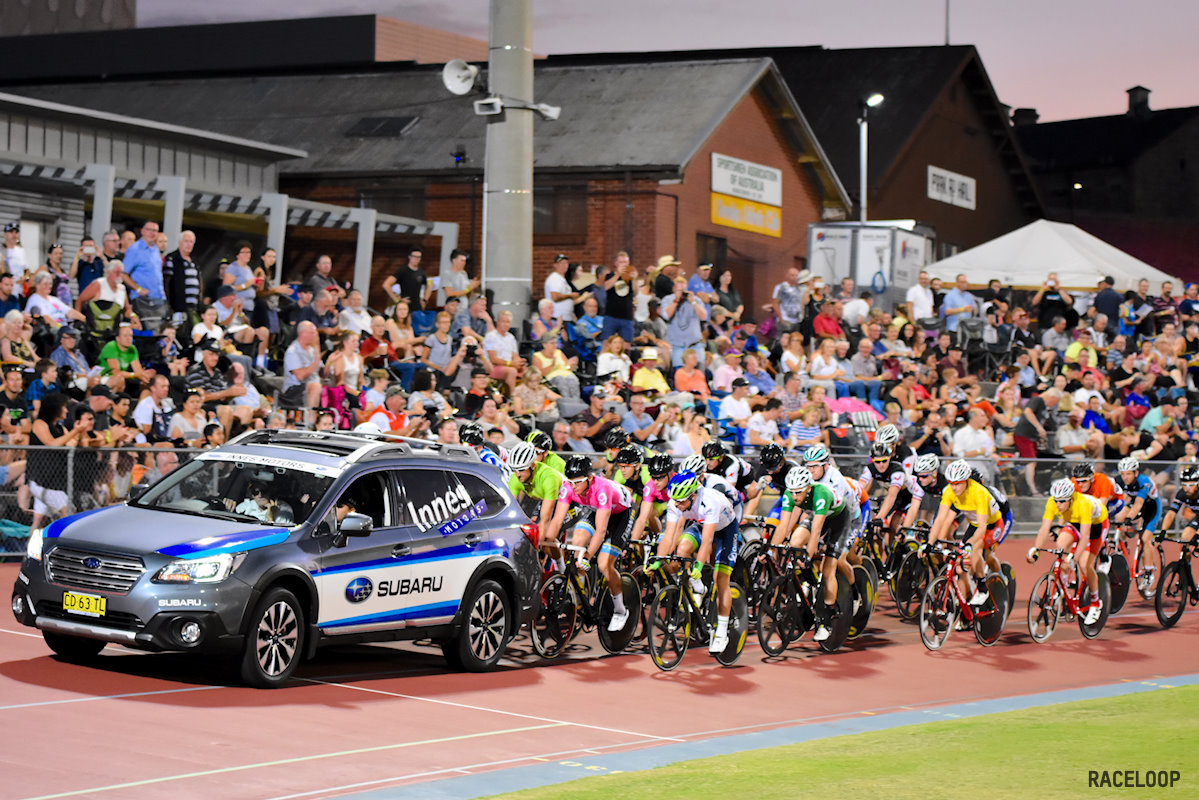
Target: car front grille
(98,571)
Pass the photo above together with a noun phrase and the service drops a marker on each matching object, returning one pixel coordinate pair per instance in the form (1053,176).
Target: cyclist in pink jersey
(653,495)
(613,506)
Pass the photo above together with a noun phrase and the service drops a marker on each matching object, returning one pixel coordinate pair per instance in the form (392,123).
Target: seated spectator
(824,370)
(690,377)
(232,317)
(503,351)
(215,391)
(153,413)
(864,369)
(535,400)
(763,426)
(643,428)
(45,373)
(67,357)
(46,305)
(734,409)
(723,376)
(590,324)
(578,441)
(806,431)
(355,317)
(120,366)
(301,369)
(760,382)
(188,423)
(544,324)
(323,314)
(827,324)
(614,360)
(648,377)
(599,420)
(690,434)
(557,368)
(975,442)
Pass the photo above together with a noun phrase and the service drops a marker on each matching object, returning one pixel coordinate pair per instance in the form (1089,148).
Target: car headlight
(33,548)
(200,570)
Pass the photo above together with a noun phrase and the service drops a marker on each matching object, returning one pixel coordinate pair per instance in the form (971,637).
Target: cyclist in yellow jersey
(963,495)
(1084,528)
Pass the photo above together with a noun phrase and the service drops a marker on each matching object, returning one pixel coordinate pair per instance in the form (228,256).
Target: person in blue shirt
(45,383)
(8,300)
(88,264)
(744,338)
(143,264)
(959,304)
(591,323)
(700,286)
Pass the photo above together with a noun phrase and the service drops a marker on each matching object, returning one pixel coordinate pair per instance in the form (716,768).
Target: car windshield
(258,493)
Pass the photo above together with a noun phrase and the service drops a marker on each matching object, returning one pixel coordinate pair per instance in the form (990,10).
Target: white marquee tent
(1025,256)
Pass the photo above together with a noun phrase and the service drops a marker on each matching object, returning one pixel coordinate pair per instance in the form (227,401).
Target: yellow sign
(746,215)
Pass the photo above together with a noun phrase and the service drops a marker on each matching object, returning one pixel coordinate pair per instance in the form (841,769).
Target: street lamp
(864,107)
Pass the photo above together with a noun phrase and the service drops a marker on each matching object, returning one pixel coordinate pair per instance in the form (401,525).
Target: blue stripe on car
(442,554)
(228,543)
(430,610)
(55,528)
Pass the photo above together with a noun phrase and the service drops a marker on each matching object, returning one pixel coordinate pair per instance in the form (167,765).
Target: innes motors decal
(448,512)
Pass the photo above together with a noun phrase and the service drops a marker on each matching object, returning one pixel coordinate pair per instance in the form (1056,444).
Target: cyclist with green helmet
(720,524)
(535,480)
(824,529)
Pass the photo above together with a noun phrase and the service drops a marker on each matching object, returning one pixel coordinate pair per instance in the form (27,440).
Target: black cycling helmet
(616,438)
(771,457)
(713,449)
(1083,471)
(629,454)
(1189,474)
(471,434)
(660,464)
(578,466)
(880,450)
(540,440)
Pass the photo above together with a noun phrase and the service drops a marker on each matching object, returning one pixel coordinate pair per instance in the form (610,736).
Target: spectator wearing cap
(730,369)
(734,409)
(667,271)
(1107,300)
(68,356)
(472,401)
(559,290)
(390,416)
(700,285)
(598,421)
(14,254)
(143,265)
(109,288)
(473,319)
(215,391)
(577,440)
(292,315)
(684,314)
(120,366)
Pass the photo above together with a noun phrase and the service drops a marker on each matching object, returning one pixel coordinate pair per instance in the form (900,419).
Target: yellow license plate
(90,605)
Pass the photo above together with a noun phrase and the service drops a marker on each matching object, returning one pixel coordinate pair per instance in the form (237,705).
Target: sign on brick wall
(950,187)
(747,180)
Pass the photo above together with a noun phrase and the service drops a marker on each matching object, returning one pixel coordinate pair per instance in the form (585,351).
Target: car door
(358,582)
(448,514)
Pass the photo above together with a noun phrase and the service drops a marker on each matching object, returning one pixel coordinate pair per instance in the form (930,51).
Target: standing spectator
(409,282)
(301,368)
(1188,307)
(560,291)
(845,293)
(1165,307)
(110,288)
(457,283)
(668,270)
(1052,301)
(684,315)
(14,254)
(789,298)
(1031,428)
(727,295)
(699,285)
(959,304)
(618,305)
(88,264)
(321,279)
(182,276)
(855,311)
(920,298)
(1107,300)
(143,268)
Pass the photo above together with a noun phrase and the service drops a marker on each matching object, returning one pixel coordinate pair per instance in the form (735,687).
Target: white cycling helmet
(798,478)
(521,457)
(888,434)
(927,464)
(957,471)
(696,464)
(1062,489)
(367,427)
(816,454)
(1129,464)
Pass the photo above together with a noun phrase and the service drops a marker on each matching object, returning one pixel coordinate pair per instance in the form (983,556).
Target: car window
(480,490)
(368,494)
(423,497)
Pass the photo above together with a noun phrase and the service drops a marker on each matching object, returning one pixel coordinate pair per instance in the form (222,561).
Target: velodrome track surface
(382,718)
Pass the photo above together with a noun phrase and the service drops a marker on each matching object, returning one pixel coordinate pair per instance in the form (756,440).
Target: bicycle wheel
(1105,598)
(1044,608)
(647,587)
(1170,599)
(861,600)
(551,630)
(910,584)
(938,613)
(738,627)
(989,620)
(842,618)
(618,640)
(753,575)
(670,628)
(777,618)
(1121,581)
(1009,578)
(895,560)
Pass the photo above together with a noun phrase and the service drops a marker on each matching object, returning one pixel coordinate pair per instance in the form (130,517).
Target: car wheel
(73,648)
(485,629)
(274,643)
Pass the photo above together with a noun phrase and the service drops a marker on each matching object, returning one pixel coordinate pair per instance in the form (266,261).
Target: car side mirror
(137,490)
(355,524)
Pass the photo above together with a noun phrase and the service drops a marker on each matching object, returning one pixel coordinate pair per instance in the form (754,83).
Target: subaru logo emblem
(91,562)
(359,590)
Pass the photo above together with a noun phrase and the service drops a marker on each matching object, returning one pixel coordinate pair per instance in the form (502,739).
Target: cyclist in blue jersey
(772,471)
(1141,505)
(472,434)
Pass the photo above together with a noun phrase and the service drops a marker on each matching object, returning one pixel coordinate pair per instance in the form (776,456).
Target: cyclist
(926,489)
(471,434)
(613,522)
(631,470)
(889,435)
(735,471)
(1096,484)
(614,441)
(772,471)
(660,468)
(965,495)
(533,479)
(1186,500)
(885,467)
(1141,506)
(817,461)
(1084,529)
(544,444)
(825,527)
(719,525)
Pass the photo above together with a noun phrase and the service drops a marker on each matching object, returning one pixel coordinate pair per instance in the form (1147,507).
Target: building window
(560,214)
(711,250)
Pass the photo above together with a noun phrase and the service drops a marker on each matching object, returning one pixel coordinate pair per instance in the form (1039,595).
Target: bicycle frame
(1061,587)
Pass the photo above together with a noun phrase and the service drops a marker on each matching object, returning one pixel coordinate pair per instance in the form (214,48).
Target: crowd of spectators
(131,345)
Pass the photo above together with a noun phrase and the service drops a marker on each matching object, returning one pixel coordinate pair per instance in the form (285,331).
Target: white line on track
(21,633)
(108,697)
(297,760)
(494,710)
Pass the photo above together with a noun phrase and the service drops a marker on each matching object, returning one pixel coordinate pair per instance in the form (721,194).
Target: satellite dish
(458,76)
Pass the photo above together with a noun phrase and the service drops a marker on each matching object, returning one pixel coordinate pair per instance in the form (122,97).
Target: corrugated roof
(631,116)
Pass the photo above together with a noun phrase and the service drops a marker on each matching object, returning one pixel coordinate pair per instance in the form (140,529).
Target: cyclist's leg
(834,543)
(1148,546)
(620,526)
(724,555)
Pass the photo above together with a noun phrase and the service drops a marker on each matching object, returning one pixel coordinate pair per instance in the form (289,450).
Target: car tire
(72,648)
(486,629)
(274,642)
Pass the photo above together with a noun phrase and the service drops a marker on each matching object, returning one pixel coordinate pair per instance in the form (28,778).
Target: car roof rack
(359,443)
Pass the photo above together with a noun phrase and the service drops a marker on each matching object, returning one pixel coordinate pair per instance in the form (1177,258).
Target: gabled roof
(642,117)
(1099,141)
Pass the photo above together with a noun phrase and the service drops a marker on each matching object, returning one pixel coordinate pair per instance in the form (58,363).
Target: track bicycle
(789,605)
(576,600)
(753,569)
(676,616)
(944,603)
(1177,584)
(1138,563)
(916,569)
(1063,591)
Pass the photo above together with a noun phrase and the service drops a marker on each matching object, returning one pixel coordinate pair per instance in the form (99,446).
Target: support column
(103,177)
(365,218)
(276,227)
(448,231)
(508,170)
(172,187)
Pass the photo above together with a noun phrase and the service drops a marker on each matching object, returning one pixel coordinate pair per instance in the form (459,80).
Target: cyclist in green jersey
(543,445)
(825,525)
(529,478)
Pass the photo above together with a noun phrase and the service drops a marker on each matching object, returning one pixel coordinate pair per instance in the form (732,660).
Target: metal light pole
(864,107)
